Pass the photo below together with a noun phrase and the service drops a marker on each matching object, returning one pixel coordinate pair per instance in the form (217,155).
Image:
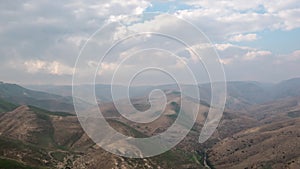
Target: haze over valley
(259,128)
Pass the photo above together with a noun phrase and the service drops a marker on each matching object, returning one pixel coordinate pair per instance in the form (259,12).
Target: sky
(40,41)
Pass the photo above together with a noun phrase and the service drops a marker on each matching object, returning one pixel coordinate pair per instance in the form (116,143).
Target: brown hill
(274,145)
(263,136)
(39,138)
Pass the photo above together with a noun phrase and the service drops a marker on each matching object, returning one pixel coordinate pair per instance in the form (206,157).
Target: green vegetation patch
(294,114)
(11,164)
(32,154)
(59,156)
(6,106)
(42,111)
(131,130)
(177,158)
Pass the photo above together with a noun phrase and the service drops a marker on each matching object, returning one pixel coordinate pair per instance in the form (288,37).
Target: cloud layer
(43,38)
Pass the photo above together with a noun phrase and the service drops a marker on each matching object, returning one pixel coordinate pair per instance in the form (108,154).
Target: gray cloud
(41,39)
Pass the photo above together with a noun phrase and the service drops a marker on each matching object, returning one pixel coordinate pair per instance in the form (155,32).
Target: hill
(259,129)
(274,145)
(21,96)
(240,94)
(34,137)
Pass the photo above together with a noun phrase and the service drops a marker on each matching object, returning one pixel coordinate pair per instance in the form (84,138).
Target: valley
(259,129)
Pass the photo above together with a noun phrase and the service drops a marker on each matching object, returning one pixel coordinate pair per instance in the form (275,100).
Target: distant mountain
(103,91)
(240,94)
(19,95)
(287,88)
(258,93)
(252,92)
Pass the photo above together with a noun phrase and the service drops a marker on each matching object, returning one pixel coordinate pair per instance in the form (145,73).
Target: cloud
(45,37)
(291,57)
(246,6)
(225,46)
(295,55)
(254,54)
(226,61)
(222,47)
(107,68)
(48,35)
(53,68)
(219,24)
(273,68)
(291,18)
(241,37)
(224,19)
(234,53)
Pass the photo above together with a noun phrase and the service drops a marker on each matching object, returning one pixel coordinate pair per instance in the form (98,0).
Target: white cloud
(231,4)
(76,40)
(295,55)
(107,68)
(274,67)
(291,57)
(254,54)
(247,6)
(233,53)
(47,35)
(219,24)
(226,61)
(280,5)
(54,67)
(228,46)
(222,47)
(291,18)
(245,37)
(107,7)
(181,63)
(34,66)
(228,18)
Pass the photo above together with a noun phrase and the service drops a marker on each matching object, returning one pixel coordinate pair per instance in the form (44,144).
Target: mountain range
(259,129)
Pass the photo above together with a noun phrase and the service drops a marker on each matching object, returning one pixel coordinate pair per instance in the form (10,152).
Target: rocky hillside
(33,137)
(274,145)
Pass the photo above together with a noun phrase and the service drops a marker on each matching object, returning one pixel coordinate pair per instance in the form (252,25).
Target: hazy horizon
(141,85)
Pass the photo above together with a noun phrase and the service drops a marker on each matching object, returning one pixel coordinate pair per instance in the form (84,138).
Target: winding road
(205,160)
